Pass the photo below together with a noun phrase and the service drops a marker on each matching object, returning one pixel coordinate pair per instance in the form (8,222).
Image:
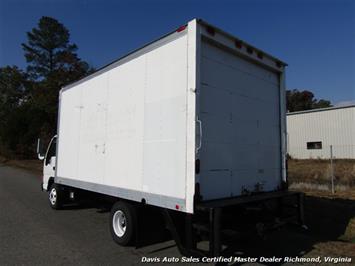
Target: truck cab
(49,161)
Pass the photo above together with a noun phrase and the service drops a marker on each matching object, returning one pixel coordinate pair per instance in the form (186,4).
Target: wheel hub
(119,223)
(53,196)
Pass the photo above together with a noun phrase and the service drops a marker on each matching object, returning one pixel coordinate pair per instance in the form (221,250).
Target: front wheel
(123,222)
(56,196)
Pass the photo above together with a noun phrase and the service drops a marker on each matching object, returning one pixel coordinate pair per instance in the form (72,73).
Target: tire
(123,221)
(56,195)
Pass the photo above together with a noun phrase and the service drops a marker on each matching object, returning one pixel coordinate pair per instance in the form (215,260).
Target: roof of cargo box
(179,30)
(240,42)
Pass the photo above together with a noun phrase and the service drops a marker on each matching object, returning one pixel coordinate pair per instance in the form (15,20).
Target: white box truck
(192,121)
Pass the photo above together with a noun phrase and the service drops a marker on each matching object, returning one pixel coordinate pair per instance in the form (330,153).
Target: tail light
(182,28)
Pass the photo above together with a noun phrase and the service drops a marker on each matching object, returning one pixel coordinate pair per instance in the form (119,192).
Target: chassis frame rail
(186,239)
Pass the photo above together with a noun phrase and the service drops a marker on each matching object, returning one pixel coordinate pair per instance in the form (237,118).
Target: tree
(29,100)
(321,104)
(48,49)
(52,64)
(13,93)
(12,88)
(304,100)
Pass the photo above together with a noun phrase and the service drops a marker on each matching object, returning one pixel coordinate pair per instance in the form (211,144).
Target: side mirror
(40,150)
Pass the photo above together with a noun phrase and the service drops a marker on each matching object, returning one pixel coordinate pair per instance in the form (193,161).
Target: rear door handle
(198,148)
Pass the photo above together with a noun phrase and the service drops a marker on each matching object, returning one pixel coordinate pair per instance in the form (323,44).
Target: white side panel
(165,120)
(91,150)
(240,113)
(69,119)
(125,125)
(146,121)
(124,131)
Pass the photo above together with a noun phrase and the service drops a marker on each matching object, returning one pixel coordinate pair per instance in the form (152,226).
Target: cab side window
(51,151)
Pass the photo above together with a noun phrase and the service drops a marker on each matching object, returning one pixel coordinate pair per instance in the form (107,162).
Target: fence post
(332,167)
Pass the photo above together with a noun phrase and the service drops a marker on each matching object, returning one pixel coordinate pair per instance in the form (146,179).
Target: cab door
(49,162)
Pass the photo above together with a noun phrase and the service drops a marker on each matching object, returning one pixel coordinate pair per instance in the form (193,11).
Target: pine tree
(49,50)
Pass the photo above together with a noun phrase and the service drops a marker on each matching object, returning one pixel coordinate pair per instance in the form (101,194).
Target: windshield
(51,151)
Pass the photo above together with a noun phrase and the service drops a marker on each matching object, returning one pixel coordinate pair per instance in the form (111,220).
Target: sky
(315,37)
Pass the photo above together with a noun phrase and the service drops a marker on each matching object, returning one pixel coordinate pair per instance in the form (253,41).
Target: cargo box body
(135,128)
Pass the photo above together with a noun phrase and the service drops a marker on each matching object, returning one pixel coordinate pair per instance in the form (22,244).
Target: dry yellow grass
(349,234)
(334,249)
(319,171)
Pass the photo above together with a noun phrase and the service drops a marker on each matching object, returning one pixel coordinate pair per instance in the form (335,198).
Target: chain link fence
(322,167)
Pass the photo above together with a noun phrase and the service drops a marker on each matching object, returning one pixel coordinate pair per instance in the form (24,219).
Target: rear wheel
(123,220)
(56,196)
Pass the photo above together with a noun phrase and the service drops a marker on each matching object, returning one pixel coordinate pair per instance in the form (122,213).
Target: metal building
(311,133)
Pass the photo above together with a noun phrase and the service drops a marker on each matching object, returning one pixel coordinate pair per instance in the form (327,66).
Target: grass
(318,172)
(313,177)
(333,249)
(32,165)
